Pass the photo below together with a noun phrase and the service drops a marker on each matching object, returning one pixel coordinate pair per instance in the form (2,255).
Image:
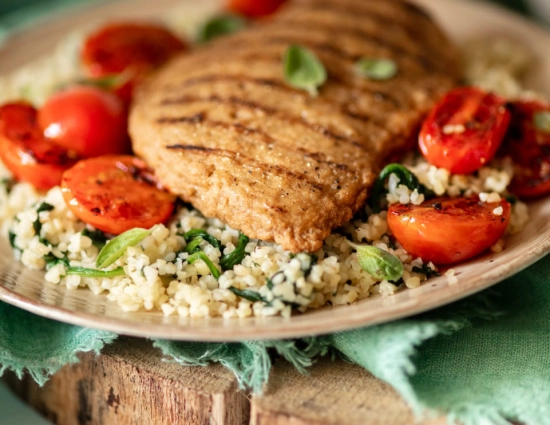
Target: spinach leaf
(202,256)
(97,236)
(227,262)
(37,225)
(201,233)
(248,294)
(405,177)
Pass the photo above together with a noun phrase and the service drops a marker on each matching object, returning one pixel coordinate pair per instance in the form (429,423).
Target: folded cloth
(483,360)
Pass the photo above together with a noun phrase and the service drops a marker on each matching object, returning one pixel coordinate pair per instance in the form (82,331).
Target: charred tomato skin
(115,193)
(464,130)
(448,230)
(129,50)
(24,150)
(254,8)
(529,149)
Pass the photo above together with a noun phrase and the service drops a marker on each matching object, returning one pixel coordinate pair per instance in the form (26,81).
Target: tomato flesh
(115,194)
(86,120)
(529,148)
(254,8)
(448,230)
(130,48)
(24,150)
(464,130)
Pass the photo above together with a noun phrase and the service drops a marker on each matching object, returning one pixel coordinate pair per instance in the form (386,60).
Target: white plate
(27,289)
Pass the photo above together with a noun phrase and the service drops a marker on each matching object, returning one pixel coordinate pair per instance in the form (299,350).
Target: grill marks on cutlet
(272,37)
(266,110)
(228,134)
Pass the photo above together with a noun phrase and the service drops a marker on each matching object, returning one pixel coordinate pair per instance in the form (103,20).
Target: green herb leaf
(221,25)
(118,246)
(303,70)
(378,263)
(202,256)
(193,246)
(82,271)
(405,177)
(97,236)
(376,69)
(37,225)
(8,184)
(427,270)
(51,260)
(247,294)
(541,120)
(108,82)
(227,262)
(11,237)
(194,233)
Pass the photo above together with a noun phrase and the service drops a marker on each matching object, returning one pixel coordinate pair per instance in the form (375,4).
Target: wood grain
(130,384)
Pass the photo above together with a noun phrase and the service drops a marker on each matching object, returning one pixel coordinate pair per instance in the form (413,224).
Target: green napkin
(484,360)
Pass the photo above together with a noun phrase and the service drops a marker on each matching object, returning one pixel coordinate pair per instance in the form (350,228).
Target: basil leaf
(108,82)
(227,262)
(202,256)
(82,271)
(303,70)
(247,294)
(405,177)
(376,69)
(378,263)
(118,246)
(221,25)
(541,120)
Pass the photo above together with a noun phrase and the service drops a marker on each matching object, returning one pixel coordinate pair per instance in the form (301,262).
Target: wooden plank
(334,393)
(130,384)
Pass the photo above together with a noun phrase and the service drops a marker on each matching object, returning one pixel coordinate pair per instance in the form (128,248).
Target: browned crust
(225,132)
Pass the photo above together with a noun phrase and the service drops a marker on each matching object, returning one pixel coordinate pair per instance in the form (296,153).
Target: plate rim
(287,328)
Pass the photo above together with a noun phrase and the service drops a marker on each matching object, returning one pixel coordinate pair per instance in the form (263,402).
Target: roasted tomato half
(24,150)
(130,51)
(115,193)
(448,230)
(464,130)
(254,8)
(528,144)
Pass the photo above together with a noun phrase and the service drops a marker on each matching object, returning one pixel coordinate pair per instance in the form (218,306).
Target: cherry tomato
(529,148)
(254,8)
(25,151)
(130,48)
(115,193)
(86,120)
(448,230)
(464,130)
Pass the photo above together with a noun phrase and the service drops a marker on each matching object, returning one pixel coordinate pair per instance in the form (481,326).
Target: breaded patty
(225,132)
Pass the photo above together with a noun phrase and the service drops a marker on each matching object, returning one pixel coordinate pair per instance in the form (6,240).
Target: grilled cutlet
(225,132)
